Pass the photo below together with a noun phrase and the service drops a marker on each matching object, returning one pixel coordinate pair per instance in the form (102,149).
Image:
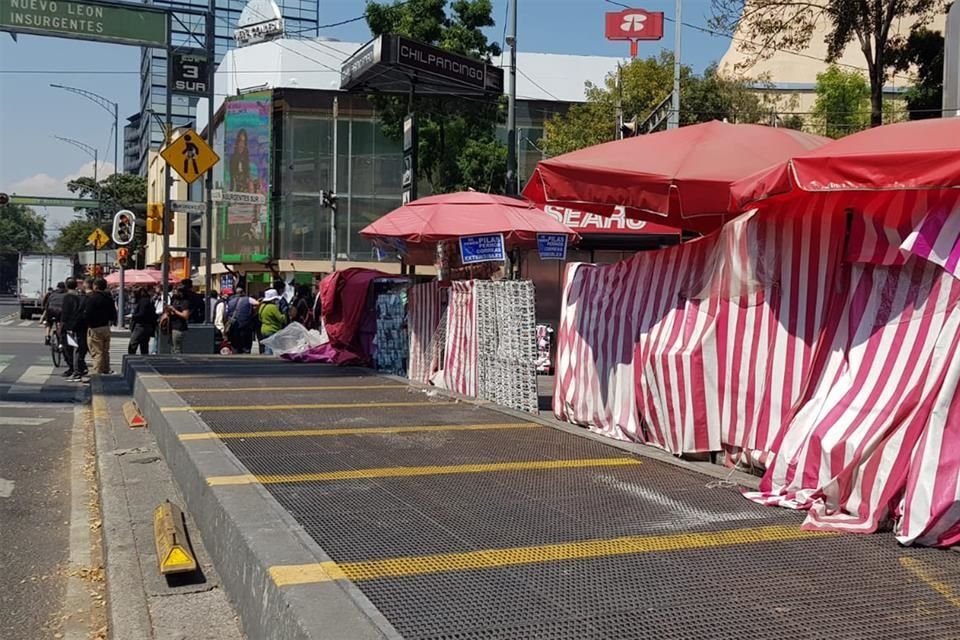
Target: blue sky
(32,162)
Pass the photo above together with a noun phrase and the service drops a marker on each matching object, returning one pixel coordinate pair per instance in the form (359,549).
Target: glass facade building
(369,167)
(300,20)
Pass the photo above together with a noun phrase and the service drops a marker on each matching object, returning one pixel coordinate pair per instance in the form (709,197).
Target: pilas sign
(259,21)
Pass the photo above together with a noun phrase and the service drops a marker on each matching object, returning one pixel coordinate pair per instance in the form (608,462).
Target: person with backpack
(301,310)
(240,321)
(143,322)
(271,318)
(53,309)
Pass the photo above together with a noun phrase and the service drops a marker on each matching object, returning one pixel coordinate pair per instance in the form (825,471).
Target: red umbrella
(679,177)
(923,154)
(467,213)
(135,277)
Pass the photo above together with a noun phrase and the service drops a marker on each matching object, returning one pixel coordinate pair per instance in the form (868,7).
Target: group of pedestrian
(239,317)
(83,314)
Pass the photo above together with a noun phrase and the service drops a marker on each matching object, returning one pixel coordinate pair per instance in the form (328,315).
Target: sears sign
(586,223)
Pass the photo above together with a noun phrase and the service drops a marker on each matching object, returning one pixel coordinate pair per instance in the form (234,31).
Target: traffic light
(124,227)
(123,254)
(329,199)
(154,217)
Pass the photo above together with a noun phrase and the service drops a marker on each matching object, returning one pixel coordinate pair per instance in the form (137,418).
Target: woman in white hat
(271,318)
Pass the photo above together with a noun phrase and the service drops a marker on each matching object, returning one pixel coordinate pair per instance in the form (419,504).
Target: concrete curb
(246,531)
(127,609)
(709,469)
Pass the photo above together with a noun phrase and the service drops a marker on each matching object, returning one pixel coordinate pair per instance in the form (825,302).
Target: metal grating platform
(822,587)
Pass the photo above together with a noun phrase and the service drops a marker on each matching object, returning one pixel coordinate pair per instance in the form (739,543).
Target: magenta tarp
(822,347)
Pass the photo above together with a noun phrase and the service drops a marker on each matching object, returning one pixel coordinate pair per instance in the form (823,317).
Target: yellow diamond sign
(190,156)
(98,238)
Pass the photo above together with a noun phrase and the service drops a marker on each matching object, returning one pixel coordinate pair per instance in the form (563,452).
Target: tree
(119,191)
(448,125)
(21,229)
(842,104)
(922,51)
(644,84)
(766,26)
(72,238)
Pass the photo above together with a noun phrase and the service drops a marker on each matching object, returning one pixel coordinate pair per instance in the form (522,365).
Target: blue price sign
(475,249)
(552,246)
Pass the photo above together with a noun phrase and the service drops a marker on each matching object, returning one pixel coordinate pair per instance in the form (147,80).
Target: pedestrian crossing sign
(98,238)
(190,156)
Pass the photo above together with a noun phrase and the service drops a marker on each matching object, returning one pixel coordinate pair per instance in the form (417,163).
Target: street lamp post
(110,107)
(92,152)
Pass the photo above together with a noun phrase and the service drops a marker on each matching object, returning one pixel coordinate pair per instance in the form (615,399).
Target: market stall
(815,336)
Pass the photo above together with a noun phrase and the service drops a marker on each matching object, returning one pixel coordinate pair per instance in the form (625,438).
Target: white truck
(38,273)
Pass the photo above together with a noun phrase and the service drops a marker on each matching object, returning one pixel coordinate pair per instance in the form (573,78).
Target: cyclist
(52,309)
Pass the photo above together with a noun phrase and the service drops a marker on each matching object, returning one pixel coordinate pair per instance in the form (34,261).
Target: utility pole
(110,107)
(673,121)
(333,210)
(512,187)
(619,132)
(93,153)
(208,185)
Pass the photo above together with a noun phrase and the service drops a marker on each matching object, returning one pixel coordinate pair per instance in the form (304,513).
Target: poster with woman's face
(245,229)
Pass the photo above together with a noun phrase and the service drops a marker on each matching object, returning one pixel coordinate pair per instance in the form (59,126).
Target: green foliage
(119,191)
(458,143)
(21,229)
(645,83)
(922,51)
(843,99)
(765,26)
(73,237)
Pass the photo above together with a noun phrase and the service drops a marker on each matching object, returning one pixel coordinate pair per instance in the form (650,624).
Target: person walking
(143,322)
(301,310)
(271,318)
(178,317)
(240,321)
(71,319)
(100,314)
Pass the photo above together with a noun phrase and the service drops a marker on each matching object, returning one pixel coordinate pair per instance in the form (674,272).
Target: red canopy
(922,154)
(467,213)
(679,177)
(135,277)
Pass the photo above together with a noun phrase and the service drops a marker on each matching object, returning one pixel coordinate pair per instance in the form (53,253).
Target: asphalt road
(39,475)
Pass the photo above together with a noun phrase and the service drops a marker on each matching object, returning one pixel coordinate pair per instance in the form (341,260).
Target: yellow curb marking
(345,387)
(946,591)
(284,407)
(397,472)
(289,433)
(287,575)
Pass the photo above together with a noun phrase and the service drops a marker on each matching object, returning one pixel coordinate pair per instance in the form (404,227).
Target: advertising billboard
(245,220)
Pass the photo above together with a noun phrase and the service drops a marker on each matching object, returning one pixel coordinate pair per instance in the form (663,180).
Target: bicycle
(56,347)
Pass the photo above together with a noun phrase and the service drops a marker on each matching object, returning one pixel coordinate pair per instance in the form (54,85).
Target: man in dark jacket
(74,332)
(143,322)
(239,319)
(193,300)
(100,313)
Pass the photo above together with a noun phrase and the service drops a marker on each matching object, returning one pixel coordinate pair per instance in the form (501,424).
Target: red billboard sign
(634,25)
(589,223)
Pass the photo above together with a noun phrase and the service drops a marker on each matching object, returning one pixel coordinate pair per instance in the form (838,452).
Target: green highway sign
(106,22)
(42,201)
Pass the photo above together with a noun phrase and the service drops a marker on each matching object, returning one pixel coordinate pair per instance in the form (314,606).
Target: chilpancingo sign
(87,21)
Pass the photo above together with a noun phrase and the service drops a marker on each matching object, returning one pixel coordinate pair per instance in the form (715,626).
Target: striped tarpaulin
(423,317)
(818,339)
(460,359)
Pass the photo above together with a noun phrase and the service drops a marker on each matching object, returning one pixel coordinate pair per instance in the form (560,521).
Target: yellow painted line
(274,390)
(287,575)
(358,431)
(946,591)
(284,407)
(398,472)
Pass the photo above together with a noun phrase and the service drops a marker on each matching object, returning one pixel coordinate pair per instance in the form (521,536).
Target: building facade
(300,17)
(131,144)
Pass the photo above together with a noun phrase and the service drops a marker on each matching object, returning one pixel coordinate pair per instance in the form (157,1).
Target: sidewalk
(340,504)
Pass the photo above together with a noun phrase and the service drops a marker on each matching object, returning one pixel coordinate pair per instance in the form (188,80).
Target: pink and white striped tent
(817,336)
